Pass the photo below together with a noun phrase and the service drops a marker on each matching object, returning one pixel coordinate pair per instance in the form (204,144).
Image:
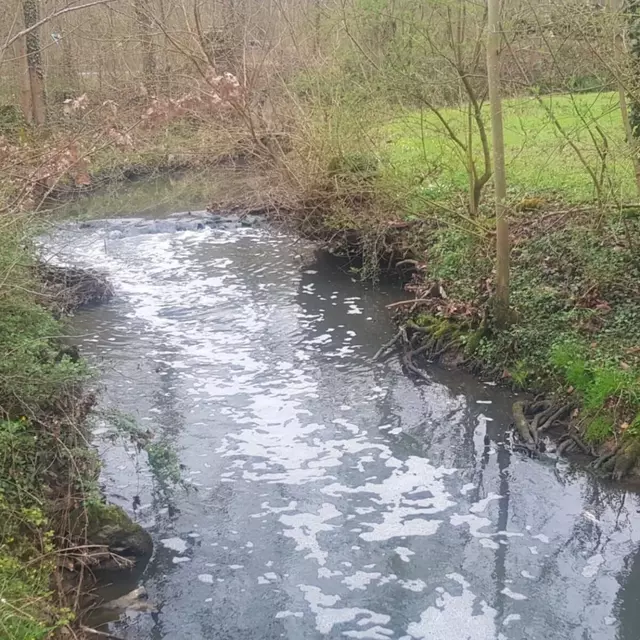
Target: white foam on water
(541,537)
(374,633)
(289,614)
(481,505)
(327,616)
(593,565)
(416,586)
(401,514)
(404,553)
(304,528)
(514,595)
(456,617)
(174,544)
(361,580)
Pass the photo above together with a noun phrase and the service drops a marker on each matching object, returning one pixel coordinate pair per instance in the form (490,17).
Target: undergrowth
(576,305)
(39,401)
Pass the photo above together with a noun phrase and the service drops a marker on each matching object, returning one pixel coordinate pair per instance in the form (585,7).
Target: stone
(111,526)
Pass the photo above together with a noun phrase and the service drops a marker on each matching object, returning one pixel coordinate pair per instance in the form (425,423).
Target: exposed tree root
(433,335)
(560,413)
(521,423)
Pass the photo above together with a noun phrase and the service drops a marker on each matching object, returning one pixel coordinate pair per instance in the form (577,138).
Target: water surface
(332,497)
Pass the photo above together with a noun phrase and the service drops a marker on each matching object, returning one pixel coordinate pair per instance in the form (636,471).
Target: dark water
(331,496)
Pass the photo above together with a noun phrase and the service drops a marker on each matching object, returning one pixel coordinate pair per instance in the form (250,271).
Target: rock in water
(136,600)
(111,526)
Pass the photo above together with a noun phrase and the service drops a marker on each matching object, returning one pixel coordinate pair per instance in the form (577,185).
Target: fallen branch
(403,303)
(388,345)
(102,634)
(412,368)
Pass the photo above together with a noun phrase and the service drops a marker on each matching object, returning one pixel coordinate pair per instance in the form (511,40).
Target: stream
(328,496)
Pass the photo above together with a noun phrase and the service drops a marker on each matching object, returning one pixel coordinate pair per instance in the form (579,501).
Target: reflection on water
(332,496)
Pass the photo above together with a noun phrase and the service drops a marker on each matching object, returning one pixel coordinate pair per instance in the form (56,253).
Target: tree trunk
(26,101)
(633,25)
(145,22)
(69,68)
(34,63)
(615,7)
(502,228)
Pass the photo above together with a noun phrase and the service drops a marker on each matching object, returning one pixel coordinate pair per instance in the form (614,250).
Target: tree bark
(633,27)
(145,22)
(615,7)
(35,70)
(502,228)
(25,86)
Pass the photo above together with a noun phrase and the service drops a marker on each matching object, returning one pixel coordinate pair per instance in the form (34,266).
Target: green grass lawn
(418,152)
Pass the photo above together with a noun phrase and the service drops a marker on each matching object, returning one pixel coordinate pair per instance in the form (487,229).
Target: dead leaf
(625,366)
(624,426)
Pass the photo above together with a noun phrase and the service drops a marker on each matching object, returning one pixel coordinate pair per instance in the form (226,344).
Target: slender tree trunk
(614,7)
(26,101)
(34,63)
(633,26)
(502,227)
(69,68)
(145,22)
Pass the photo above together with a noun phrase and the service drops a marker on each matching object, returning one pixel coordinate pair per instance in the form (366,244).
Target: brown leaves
(74,105)
(220,93)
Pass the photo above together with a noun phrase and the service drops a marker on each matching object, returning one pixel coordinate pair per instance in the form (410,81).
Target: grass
(420,154)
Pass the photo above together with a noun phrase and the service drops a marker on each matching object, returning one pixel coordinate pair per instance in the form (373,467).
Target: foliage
(36,445)
(162,457)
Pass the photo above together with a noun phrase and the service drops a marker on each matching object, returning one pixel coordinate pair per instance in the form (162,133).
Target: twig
(387,345)
(102,634)
(402,303)
(46,19)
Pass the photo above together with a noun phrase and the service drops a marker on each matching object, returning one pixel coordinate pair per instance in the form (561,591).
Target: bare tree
(500,179)
(144,19)
(37,102)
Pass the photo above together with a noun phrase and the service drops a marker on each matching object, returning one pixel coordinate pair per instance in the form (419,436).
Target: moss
(598,430)
(111,526)
(626,459)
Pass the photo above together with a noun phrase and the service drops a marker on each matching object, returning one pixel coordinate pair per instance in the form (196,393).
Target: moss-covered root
(626,459)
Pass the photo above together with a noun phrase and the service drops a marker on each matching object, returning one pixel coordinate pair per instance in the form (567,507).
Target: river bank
(573,337)
(56,528)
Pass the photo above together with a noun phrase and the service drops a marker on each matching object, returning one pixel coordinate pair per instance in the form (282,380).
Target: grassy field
(418,152)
